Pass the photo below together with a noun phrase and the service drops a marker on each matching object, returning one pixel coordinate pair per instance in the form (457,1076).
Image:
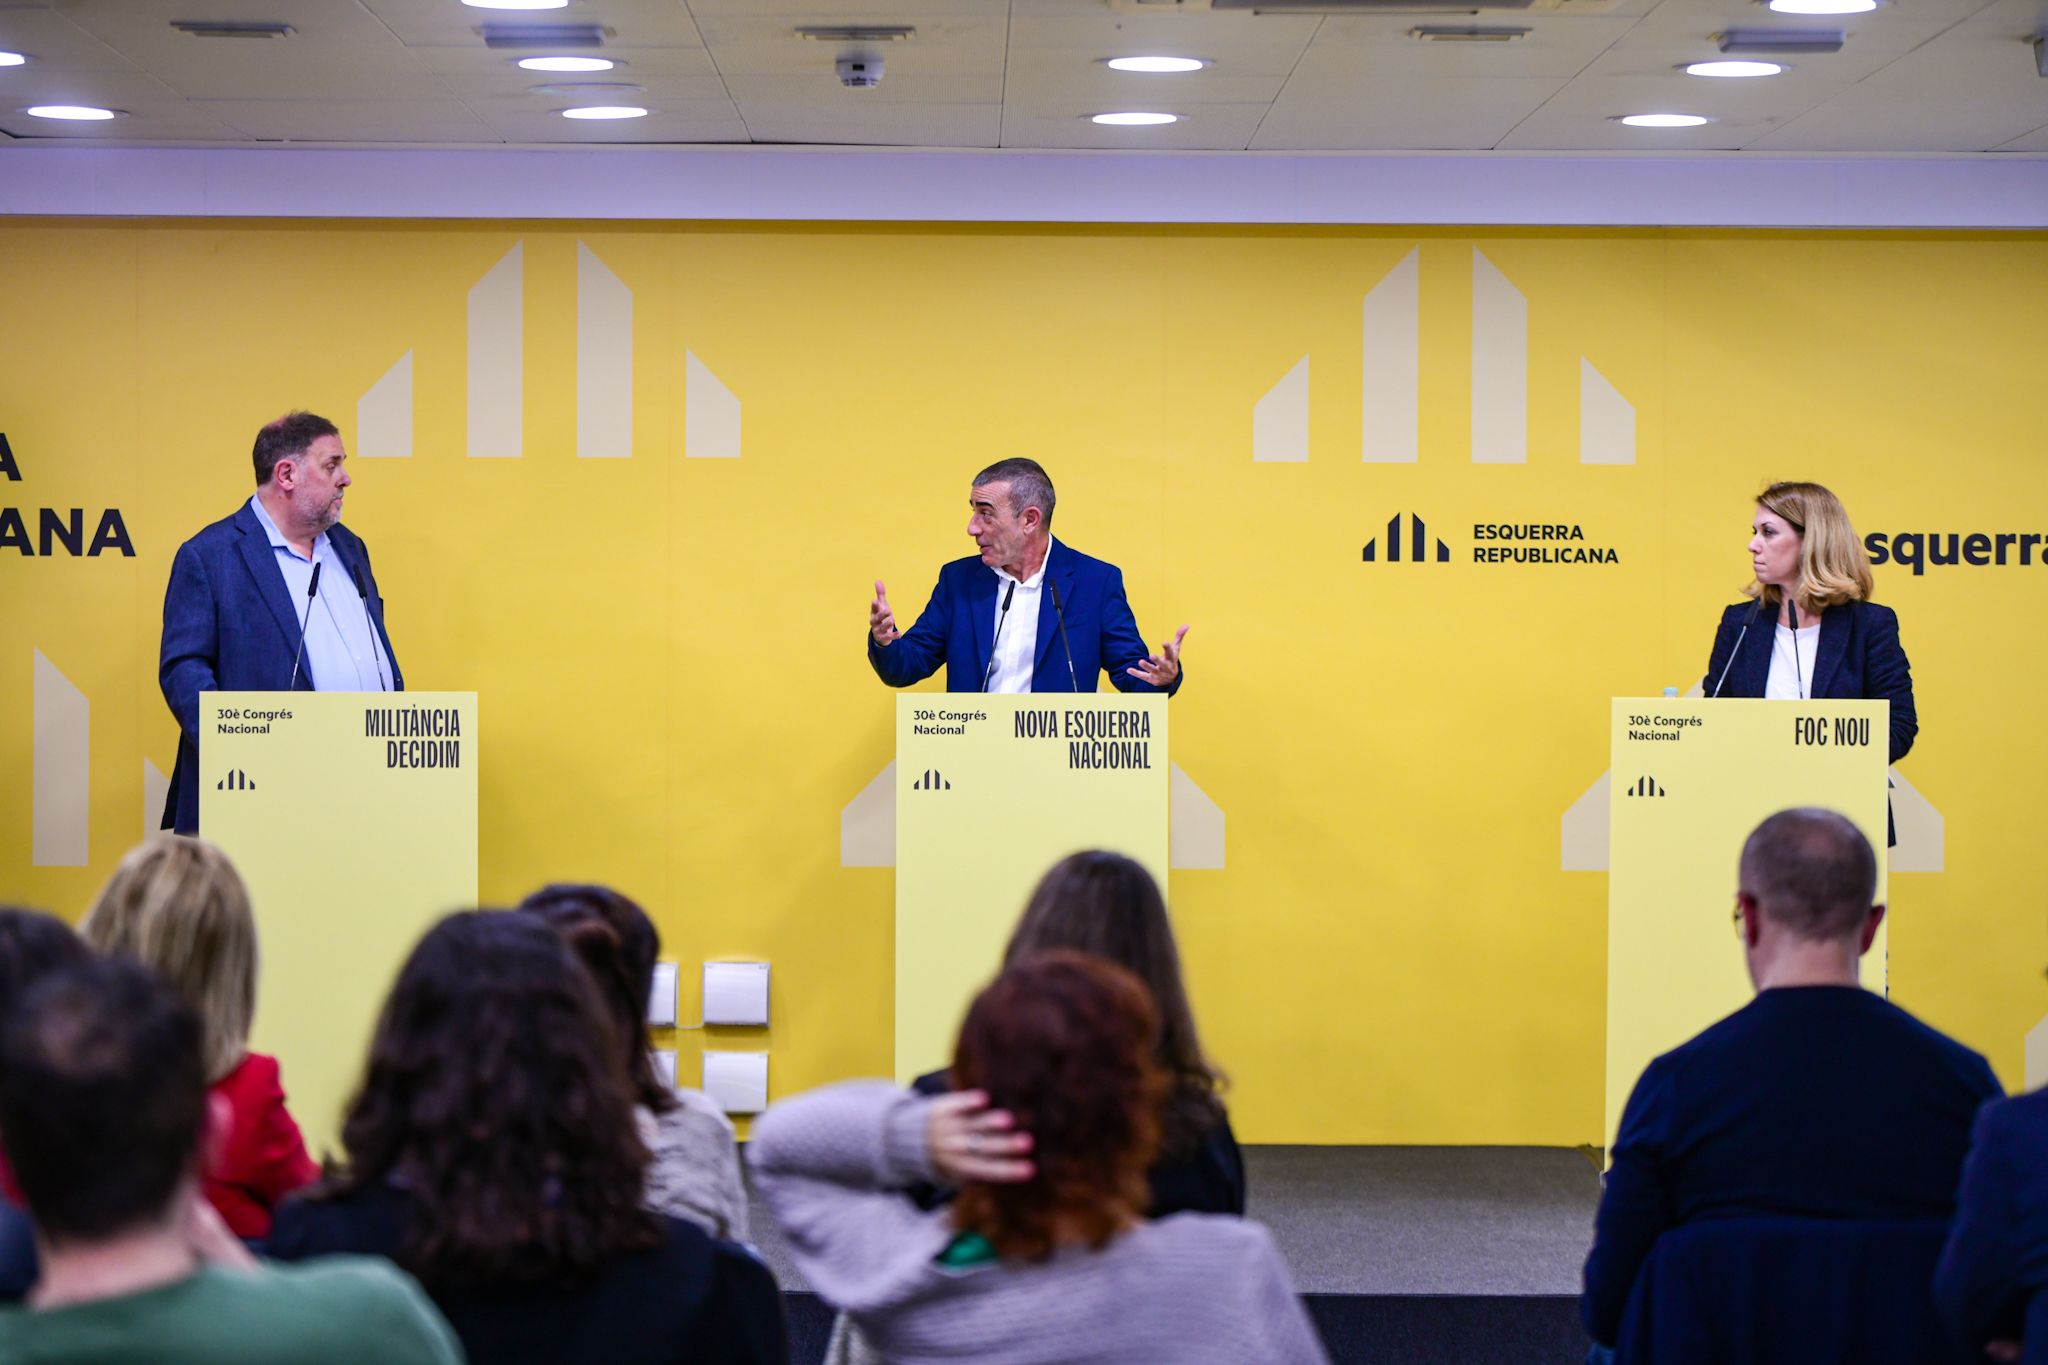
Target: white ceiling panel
(52,42)
(918,12)
(1970,90)
(766,44)
(1557,47)
(39,84)
(1092,26)
(830,100)
(1039,78)
(153,116)
(878,125)
(663,23)
(1202,127)
(477,66)
(1332,114)
(699,121)
(536,89)
(1582,114)
(2036,141)
(396,121)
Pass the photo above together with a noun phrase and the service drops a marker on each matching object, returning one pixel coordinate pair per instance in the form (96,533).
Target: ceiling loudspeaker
(229,28)
(543,35)
(1781,42)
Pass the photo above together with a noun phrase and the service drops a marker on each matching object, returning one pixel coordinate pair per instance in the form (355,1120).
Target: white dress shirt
(1016,648)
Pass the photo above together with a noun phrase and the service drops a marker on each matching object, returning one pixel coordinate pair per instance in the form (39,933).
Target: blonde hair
(177,905)
(1833,568)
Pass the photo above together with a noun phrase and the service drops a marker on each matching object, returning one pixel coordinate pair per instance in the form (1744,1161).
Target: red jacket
(264,1158)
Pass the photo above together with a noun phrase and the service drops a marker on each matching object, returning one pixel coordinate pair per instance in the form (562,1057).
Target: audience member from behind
(1995,1267)
(1109,905)
(695,1168)
(177,905)
(32,945)
(1817,1099)
(1045,1255)
(492,1152)
(103,1102)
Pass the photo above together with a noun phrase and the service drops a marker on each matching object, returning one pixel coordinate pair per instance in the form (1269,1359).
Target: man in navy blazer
(1994,1272)
(1027,614)
(249,589)
(1818,1099)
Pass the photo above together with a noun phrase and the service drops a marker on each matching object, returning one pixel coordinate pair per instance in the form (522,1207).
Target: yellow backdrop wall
(668,646)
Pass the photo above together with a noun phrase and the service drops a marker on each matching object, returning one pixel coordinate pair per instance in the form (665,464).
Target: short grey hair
(1030,486)
(1812,872)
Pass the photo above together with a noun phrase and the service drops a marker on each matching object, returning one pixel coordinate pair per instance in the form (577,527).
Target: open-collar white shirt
(1016,647)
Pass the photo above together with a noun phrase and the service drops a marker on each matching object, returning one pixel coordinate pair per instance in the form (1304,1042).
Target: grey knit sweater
(1193,1289)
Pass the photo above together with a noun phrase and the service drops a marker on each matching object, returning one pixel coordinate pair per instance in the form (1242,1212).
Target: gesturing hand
(1162,668)
(967,1140)
(881,620)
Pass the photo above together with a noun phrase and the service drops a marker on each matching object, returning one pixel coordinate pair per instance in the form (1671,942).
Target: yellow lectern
(352,816)
(991,791)
(1691,779)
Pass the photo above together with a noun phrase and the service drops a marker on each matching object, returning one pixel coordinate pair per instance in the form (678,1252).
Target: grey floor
(1402,1220)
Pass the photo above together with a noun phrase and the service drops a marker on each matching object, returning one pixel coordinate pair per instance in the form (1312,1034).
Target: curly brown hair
(497,1099)
(1109,905)
(1067,1044)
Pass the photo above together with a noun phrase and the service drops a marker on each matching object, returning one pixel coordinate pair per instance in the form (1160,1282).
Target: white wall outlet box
(737,1081)
(661,1000)
(665,1065)
(736,993)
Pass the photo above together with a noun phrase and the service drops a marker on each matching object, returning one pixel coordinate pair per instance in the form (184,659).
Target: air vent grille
(230,28)
(543,35)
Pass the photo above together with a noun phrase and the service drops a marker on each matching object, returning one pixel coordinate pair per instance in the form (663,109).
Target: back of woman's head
(33,945)
(618,945)
(1066,1043)
(1109,905)
(177,905)
(494,1097)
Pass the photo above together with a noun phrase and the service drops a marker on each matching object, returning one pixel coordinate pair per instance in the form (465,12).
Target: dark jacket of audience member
(1817,1099)
(492,1152)
(1109,905)
(1996,1262)
(103,1096)
(1044,1255)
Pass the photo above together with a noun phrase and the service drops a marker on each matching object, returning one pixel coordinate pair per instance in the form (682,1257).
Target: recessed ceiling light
(1730,70)
(1665,120)
(11,59)
(1823,6)
(1156,64)
(517,4)
(606,111)
(1136,120)
(77,113)
(567,63)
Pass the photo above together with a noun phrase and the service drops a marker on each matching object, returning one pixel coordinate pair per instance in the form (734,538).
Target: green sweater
(334,1312)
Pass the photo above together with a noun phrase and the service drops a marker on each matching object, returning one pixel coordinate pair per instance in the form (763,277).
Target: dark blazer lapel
(981,614)
(269,579)
(1835,625)
(1060,565)
(1752,668)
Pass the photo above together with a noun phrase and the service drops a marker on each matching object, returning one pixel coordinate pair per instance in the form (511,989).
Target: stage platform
(1465,1255)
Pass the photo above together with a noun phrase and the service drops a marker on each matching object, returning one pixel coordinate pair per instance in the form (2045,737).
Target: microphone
(312,590)
(1755,608)
(1001,617)
(376,654)
(1061,615)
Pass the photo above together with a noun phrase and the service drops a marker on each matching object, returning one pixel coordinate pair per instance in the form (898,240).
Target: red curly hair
(1069,1044)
